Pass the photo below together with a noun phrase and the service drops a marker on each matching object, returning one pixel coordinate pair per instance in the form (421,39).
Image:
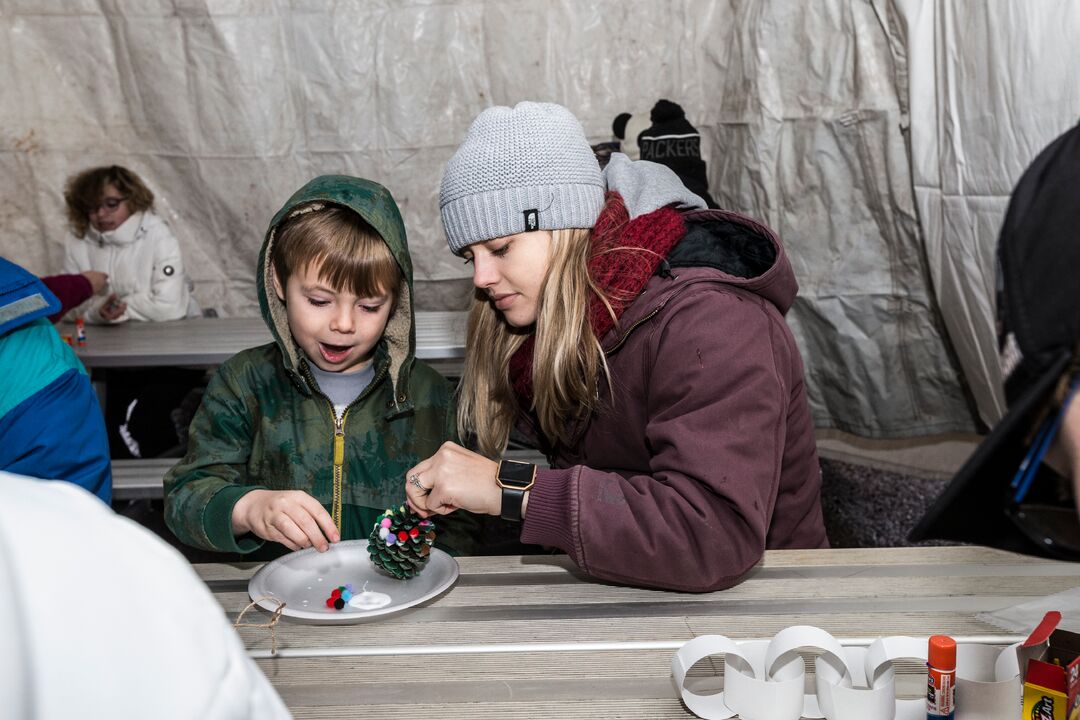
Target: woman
(640,340)
(115,230)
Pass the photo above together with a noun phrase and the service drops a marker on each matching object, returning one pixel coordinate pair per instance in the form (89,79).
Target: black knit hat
(666,111)
(1039,253)
(671,140)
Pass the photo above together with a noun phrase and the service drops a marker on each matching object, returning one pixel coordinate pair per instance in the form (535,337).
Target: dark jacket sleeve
(71,290)
(202,489)
(716,423)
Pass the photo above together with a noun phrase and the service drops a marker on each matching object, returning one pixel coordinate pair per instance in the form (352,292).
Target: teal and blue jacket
(51,425)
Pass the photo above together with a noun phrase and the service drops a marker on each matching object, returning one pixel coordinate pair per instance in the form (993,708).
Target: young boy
(306,440)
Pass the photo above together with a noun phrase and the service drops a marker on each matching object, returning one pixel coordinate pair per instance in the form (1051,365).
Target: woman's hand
(454,478)
(290,517)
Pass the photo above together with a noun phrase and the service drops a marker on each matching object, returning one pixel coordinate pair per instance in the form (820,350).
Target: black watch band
(515,478)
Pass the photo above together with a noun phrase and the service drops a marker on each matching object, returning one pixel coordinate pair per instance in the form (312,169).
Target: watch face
(516,475)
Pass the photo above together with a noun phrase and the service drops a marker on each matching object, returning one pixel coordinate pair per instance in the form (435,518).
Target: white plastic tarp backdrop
(880,139)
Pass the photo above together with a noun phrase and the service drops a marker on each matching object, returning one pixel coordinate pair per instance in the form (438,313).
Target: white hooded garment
(102,619)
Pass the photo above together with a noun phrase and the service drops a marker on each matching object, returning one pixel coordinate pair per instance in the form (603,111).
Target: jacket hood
(647,186)
(747,253)
(376,206)
(720,247)
(23,297)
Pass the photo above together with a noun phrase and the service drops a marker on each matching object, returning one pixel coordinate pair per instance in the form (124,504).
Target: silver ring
(415,480)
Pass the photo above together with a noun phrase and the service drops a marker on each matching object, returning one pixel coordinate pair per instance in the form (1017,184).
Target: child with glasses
(115,231)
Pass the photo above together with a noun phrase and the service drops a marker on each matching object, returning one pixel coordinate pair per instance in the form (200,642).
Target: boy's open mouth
(334,353)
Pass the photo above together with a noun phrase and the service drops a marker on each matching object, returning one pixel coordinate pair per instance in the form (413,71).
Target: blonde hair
(348,252)
(567,362)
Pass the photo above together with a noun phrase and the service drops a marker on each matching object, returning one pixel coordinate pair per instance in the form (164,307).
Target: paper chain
(764,680)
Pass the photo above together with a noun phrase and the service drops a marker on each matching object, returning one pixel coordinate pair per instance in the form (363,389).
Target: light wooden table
(528,637)
(440,339)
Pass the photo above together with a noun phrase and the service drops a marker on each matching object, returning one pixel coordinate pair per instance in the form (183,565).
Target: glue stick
(80,330)
(941,678)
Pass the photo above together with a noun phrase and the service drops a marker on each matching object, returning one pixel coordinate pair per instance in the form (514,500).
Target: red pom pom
(402,535)
(335,594)
(330,602)
(413,532)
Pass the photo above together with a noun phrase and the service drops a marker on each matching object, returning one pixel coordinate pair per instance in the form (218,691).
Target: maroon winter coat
(707,456)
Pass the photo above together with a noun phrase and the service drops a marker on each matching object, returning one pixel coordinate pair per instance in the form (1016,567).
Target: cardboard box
(1050,662)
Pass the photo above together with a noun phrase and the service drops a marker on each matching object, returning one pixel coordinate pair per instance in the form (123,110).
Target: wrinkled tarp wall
(992,84)
(225,108)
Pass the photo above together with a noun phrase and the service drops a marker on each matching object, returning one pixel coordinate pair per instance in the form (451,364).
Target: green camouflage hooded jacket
(264,423)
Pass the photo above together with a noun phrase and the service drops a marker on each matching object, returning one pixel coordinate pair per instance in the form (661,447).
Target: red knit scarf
(625,254)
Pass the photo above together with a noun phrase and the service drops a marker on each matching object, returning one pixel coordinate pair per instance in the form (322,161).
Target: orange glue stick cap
(941,652)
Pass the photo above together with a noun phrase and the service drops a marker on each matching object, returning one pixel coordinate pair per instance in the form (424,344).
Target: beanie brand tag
(532,220)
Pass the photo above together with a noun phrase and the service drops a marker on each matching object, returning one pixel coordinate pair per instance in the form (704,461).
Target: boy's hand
(290,517)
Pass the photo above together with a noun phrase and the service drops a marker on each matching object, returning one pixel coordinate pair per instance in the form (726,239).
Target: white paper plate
(304,579)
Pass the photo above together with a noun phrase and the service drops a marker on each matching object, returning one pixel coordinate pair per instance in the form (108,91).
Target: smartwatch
(514,478)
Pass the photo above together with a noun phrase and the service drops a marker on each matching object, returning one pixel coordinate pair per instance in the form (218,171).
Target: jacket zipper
(632,328)
(339,463)
(339,440)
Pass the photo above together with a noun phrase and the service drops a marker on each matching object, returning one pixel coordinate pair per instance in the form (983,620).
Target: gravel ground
(864,507)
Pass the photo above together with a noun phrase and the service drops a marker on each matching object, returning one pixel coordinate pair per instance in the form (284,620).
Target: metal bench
(140,479)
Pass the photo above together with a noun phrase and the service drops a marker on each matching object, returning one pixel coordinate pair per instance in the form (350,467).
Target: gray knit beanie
(519,169)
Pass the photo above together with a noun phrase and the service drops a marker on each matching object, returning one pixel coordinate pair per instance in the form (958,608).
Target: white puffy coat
(142,258)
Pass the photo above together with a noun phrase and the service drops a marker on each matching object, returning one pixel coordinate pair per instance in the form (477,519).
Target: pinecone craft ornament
(400,543)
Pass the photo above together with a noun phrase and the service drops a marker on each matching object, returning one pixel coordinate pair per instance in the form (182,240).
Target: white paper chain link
(765,679)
